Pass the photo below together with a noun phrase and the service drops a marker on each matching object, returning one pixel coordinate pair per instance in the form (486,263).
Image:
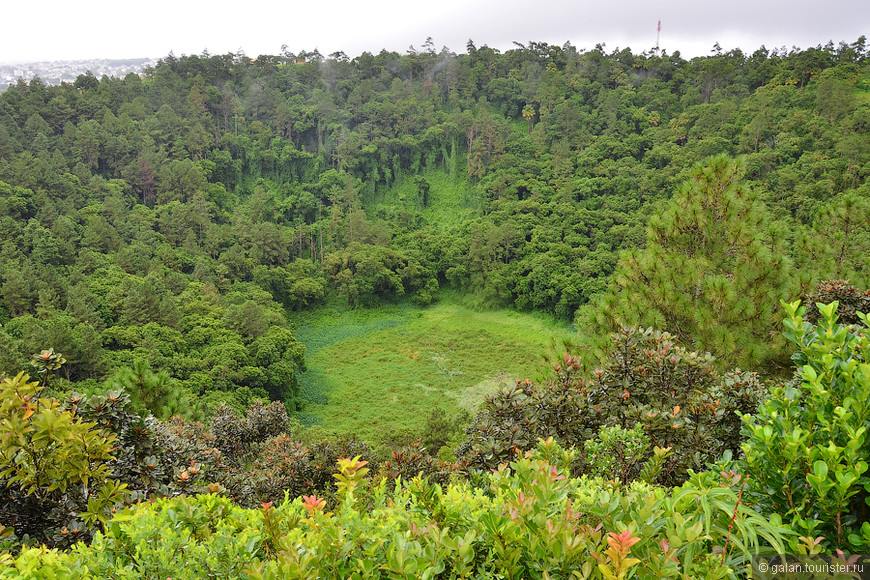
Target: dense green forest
(180,217)
(163,236)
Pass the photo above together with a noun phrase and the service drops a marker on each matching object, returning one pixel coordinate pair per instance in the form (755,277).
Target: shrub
(806,447)
(238,437)
(676,396)
(415,460)
(850,301)
(55,483)
(532,521)
(617,453)
(152,457)
(282,467)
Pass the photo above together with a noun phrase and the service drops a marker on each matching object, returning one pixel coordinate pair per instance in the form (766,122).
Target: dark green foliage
(283,466)
(441,430)
(849,299)
(368,274)
(252,458)
(237,437)
(196,169)
(142,457)
(298,286)
(675,395)
(325,453)
(414,460)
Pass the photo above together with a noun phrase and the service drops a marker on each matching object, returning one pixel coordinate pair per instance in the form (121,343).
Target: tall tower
(658,35)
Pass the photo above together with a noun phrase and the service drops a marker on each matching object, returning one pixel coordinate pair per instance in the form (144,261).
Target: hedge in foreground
(530,521)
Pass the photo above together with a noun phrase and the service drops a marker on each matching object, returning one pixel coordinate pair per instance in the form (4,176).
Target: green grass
(451,200)
(373,371)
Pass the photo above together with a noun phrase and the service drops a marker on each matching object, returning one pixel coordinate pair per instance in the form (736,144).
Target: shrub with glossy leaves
(56,486)
(647,379)
(807,447)
(237,437)
(282,466)
(533,521)
(415,460)
(850,301)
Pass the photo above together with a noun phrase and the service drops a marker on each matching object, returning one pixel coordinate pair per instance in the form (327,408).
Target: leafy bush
(55,481)
(415,460)
(532,521)
(676,396)
(183,538)
(850,301)
(807,446)
(616,453)
(237,437)
(283,466)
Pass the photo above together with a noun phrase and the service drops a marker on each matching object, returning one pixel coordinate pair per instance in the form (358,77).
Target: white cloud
(103,29)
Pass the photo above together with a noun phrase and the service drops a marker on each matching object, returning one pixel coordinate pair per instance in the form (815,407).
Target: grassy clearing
(372,371)
(451,201)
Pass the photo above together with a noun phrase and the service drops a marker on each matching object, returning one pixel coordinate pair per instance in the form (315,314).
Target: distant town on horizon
(56,72)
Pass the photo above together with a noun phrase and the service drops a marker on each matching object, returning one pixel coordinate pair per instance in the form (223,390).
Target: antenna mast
(658,35)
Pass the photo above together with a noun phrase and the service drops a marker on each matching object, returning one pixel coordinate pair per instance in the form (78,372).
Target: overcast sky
(35,31)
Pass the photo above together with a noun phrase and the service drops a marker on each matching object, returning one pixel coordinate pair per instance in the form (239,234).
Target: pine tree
(153,392)
(712,273)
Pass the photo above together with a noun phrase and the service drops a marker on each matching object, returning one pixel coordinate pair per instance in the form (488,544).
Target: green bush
(184,538)
(807,446)
(617,453)
(531,521)
(647,379)
(56,486)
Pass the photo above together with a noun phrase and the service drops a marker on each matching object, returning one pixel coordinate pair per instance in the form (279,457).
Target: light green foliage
(371,372)
(807,447)
(839,238)
(42,564)
(153,393)
(712,269)
(185,538)
(54,468)
(616,451)
(533,521)
(350,478)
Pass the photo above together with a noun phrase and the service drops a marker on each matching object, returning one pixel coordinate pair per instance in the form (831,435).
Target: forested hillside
(181,217)
(171,243)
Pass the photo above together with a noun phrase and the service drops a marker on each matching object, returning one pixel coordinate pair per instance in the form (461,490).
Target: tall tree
(528,115)
(838,243)
(713,270)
